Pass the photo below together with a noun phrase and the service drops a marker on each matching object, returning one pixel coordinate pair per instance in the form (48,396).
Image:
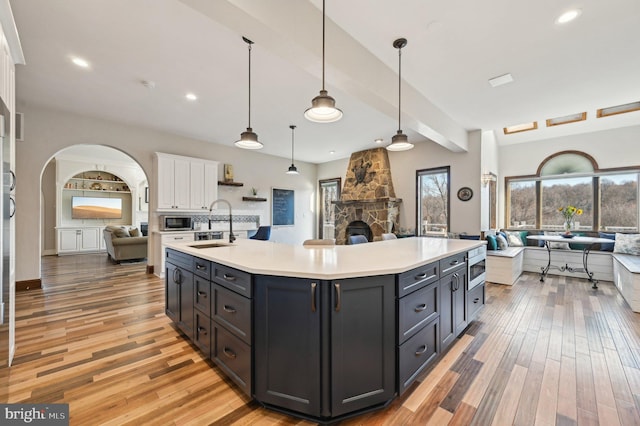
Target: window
(619,202)
(522,204)
(432,189)
(561,192)
(608,198)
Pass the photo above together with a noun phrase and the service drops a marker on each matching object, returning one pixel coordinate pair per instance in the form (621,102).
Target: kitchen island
(322,332)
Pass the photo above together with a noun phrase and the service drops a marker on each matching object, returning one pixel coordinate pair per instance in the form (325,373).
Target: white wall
(488,164)
(610,148)
(465,171)
(50,131)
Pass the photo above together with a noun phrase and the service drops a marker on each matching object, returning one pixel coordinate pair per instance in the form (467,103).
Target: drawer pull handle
(313,296)
(421,307)
(421,276)
(338,297)
(202,293)
(229,353)
(455,262)
(178,238)
(200,267)
(476,300)
(422,349)
(177,276)
(202,330)
(229,309)
(228,277)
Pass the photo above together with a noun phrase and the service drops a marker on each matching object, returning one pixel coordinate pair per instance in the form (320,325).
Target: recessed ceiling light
(501,80)
(581,116)
(619,109)
(568,16)
(379,140)
(191,96)
(332,152)
(80,62)
(520,128)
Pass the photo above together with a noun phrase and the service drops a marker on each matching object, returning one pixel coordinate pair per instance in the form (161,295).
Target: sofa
(124,243)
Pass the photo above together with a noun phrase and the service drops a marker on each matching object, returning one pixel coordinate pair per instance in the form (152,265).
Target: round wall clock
(465,193)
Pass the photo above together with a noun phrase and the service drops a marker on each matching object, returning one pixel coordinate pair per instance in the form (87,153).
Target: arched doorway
(94,174)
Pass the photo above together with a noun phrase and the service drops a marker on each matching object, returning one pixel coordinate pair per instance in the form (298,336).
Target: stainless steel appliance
(476,264)
(176,223)
(208,235)
(8,209)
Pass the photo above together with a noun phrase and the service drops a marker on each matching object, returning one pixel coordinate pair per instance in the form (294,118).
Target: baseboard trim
(28,285)
(150,269)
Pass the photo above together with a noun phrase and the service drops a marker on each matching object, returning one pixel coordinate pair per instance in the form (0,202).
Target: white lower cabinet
(171,237)
(75,240)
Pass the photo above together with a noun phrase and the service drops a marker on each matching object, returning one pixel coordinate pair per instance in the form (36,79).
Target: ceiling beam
(292,30)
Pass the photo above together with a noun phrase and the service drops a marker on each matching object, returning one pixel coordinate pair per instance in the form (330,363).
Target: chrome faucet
(232,237)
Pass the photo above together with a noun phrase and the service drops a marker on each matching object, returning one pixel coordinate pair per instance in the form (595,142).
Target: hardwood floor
(96,337)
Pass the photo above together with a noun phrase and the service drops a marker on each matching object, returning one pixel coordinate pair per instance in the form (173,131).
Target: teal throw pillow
(492,244)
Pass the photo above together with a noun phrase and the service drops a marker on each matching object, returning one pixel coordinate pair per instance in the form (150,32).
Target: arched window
(608,197)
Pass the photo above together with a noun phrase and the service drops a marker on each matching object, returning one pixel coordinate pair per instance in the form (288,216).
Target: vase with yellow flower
(569,213)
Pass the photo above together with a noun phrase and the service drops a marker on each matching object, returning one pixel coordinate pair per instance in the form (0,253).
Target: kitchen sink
(210,245)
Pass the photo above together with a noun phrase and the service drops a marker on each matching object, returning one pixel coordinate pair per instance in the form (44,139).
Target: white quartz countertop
(328,262)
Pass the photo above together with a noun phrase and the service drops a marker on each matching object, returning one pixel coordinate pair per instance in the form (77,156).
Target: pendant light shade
(323,107)
(399,141)
(293,170)
(248,139)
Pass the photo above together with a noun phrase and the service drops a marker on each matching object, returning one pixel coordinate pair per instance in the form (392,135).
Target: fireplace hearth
(367,197)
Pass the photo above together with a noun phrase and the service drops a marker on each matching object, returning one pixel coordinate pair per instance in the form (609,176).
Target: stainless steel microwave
(176,223)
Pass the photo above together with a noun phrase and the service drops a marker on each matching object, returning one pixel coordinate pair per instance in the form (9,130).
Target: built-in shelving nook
(96,197)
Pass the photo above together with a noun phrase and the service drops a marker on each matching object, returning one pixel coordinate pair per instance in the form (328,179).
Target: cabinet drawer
(475,301)
(180,259)
(202,295)
(417,278)
(417,309)
(233,356)
(202,268)
(452,264)
(202,332)
(232,311)
(416,353)
(233,279)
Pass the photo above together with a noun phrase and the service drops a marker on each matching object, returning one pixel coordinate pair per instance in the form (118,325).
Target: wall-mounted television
(96,208)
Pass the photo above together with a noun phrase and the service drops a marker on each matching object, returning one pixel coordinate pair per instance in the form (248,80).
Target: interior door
(329,190)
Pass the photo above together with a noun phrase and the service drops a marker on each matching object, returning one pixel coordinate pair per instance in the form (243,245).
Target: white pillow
(627,244)
(555,245)
(513,238)
(502,242)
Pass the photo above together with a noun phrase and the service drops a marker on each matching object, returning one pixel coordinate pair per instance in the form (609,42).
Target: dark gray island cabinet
(322,349)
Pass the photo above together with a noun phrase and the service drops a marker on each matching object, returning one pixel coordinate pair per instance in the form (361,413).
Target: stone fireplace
(367,196)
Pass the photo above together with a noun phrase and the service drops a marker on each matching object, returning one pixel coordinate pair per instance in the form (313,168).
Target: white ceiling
(453,48)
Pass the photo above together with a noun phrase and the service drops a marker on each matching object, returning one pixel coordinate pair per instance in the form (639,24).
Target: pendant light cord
(292,129)
(323,19)
(249,43)
(399,86)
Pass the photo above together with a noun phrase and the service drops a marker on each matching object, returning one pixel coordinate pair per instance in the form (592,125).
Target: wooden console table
(587,245)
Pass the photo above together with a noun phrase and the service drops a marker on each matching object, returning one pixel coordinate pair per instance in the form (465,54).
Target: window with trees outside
(608,198)
(432,189)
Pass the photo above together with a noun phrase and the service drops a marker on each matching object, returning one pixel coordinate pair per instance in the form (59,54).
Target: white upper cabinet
(185,183)
(204,184)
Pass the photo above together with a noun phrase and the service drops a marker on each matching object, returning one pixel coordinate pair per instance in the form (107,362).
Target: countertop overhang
(328,262)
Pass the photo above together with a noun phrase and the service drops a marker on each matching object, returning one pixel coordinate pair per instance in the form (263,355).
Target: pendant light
(399,141)
(323,107)
(293,170)
(248,139)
